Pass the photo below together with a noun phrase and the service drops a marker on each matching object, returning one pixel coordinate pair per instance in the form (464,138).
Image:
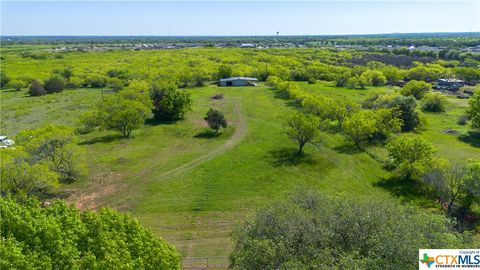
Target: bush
(314,231)
(434,102)
(55,84)
(36,89)
(416,89)
(62,237)
(410,156)
(17,85)
(4,79)
(462,120)
(170,103)
(312,81)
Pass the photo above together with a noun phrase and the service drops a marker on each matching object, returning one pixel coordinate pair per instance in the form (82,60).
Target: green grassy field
(191,188)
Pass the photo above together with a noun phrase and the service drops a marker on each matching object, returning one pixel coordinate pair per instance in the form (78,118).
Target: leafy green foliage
(224,71)
(16,84)
(406,108)
(55,84)
(54,146)
(314,231)
(434,102)
(302,129)
(215,119)
(473,111)
(4,79)
(170,103)
(121,114)
(416,89)
(22,178)
(411,157)
(62,237)
(456,184)
(360,126)
(36,89)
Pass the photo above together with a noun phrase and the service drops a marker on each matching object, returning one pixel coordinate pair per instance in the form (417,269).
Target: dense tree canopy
(314,231)
(61,237)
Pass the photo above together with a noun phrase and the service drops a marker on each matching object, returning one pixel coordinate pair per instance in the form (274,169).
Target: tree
(54,84)
(36,89)
(392,74)
(16,84)
(215,120)
(224,71)
(88,121)
(310,230)
(434,102)
(360,126)
(416,89)
(405,107)
(473,111)
(121,114)
(56,147)
(22,178)
(339,109)
(449,181)
(342,78)
(411,157)
(387,122)
(303,129)
(170,103)
(62,237)
(4,79)
(374,77)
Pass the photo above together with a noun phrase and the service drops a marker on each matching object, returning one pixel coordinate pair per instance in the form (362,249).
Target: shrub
(434,102)
(17,85)
(416,89)
(410,156)
(36,89)
(312,81)
(4,79)
(170,103)
(310,230)
(462,120)
(55,84)
(473,111)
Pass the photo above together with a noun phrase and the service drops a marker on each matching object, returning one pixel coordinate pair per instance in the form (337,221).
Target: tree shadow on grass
(471,137)
(348,148)
(407,190)
(208,134)
(103,139)
(155,122)
(287,156)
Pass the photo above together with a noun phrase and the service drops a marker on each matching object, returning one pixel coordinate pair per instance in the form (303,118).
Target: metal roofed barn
(238,81)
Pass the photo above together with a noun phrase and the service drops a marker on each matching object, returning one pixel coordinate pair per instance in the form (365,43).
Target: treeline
(429,39)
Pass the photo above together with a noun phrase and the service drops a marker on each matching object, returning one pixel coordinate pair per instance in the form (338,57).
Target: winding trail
(238,135)
(91,197)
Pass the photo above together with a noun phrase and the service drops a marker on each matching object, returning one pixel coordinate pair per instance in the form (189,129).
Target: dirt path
(90,198)
(240,132)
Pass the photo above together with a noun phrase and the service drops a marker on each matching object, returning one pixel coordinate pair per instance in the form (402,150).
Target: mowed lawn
(191,188)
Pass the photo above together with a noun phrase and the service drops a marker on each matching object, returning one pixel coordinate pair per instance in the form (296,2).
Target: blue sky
(236,18)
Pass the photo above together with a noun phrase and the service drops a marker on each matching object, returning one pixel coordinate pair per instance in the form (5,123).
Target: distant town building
(449,84)
(248,45)
(238,81)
